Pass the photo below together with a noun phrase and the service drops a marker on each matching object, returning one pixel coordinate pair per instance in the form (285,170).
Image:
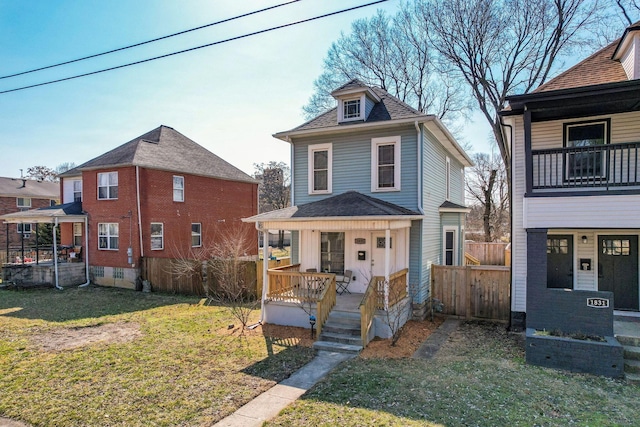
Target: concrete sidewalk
(271,402)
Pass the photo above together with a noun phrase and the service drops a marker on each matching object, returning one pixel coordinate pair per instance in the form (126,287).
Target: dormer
(628,51)
(355,101)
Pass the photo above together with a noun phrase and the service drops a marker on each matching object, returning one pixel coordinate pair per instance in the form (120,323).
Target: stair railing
(368,310)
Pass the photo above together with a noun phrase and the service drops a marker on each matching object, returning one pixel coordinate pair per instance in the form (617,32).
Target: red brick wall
(217,204)
(8,205)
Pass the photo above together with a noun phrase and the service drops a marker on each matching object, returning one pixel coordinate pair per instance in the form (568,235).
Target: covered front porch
(350,245)
(50,263)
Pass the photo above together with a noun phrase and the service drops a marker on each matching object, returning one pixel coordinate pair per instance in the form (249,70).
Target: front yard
(478,378)
(112,357)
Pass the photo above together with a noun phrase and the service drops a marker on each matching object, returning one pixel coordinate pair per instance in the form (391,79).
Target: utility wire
(194,48)
(148,41)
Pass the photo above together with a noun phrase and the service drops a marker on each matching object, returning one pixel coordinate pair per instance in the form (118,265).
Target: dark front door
(560,261)
(618,269)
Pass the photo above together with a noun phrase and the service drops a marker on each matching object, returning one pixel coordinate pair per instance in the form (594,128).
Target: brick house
(159,195)
(20,194)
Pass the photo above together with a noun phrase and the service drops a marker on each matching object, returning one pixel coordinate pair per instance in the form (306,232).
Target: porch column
(265,272)
(387,261)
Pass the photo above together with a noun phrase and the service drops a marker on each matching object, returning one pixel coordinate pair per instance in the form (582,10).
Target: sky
(229,98)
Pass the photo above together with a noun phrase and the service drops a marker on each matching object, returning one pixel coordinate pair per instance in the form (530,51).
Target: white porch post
(387,261)
(265,273)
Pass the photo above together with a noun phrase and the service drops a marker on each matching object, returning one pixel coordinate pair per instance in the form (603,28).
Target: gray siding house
(377,196)
(575,200)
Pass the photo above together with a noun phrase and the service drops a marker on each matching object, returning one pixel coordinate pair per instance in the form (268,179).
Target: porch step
(341,338)
(631,352)
(632,377)
(631,366)
(337,347)
(628,341)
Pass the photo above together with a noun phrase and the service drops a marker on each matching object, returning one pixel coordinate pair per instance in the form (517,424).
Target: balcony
(599,168)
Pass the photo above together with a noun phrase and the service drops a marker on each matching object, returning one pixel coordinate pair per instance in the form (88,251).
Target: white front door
(377,254)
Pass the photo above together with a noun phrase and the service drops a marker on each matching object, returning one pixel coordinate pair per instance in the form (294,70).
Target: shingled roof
(349,204)
(599,68)
(389,108)
(166,149)
(22,187)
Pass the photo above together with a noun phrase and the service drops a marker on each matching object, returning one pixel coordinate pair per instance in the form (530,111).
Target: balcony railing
(598,167)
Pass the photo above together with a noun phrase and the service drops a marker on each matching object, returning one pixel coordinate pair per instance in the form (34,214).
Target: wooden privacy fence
(480,292)
(488,253)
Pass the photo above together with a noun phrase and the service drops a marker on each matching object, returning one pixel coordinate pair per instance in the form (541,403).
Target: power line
(148,41)
(193,48)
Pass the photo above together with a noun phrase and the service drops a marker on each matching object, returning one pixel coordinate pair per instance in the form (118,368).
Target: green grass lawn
(183,367)
(478,378)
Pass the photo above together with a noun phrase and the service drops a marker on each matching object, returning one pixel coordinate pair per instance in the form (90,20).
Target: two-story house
(20,194)
(576,198)
(160,195)
(377,197)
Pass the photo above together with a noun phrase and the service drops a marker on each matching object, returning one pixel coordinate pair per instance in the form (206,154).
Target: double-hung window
(107,186)
(24,228)
(23,202)
(450,246)
(385,164)
(108,236)
(320,169)
(196,235)
(157,236)
(77,234)
(585,158)
(77,191)
(178,188)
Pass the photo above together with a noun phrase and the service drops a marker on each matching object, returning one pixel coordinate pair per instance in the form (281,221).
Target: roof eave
(336,218)
(454,210)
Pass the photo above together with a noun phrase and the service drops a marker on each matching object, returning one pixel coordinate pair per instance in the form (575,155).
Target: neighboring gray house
(377,190)
(576,203)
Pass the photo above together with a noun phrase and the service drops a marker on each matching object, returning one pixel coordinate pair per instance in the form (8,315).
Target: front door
(618,269)
(377,254)
(560,261)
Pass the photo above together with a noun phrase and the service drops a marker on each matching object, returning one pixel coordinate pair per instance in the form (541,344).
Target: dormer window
(352,109)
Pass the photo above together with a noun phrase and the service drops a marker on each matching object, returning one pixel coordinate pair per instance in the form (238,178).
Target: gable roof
(598,68)
(22,187)
(349,204)
(389,108)
(166,149)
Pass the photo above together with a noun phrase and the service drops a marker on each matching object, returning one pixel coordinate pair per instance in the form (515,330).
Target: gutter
(138,208)
(421,176)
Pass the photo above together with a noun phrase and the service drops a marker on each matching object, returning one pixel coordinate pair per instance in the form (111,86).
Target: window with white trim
(448,178)
(108,236)
(77,191)
(385,164)
(157,236)
(450,246)
(178,188)
(320,168)
(196,235)
(351,109)
(587,160)
(24,228)
(107,185)
(23,202)
(77,234)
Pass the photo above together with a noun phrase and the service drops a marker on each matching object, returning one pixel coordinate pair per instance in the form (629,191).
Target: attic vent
(149,141)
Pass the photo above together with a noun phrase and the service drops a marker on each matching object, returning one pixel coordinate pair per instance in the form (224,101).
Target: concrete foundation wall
(69,274)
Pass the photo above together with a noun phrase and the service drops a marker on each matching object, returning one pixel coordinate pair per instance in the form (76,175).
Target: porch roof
(453,207)
(351,204)
(68,212)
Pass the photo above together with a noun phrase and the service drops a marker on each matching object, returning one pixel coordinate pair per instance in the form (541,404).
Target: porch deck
(627,325)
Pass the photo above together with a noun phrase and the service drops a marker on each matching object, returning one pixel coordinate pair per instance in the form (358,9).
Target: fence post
(468,293)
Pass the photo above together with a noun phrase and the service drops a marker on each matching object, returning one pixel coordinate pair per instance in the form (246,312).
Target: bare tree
(63,167)
(486,186)
(222,266)
(506,47)
(391,53)
(42,173)
(274,188)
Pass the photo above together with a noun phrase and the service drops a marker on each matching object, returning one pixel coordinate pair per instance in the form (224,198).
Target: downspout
(510,218)
(139,215)
(86,252)
(421,176)
(55,254)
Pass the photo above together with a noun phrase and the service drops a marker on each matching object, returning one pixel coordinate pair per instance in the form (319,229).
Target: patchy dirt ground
(413,334)
(69,338)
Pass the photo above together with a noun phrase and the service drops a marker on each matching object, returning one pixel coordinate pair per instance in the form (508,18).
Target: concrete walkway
(430,347)
(271,402)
